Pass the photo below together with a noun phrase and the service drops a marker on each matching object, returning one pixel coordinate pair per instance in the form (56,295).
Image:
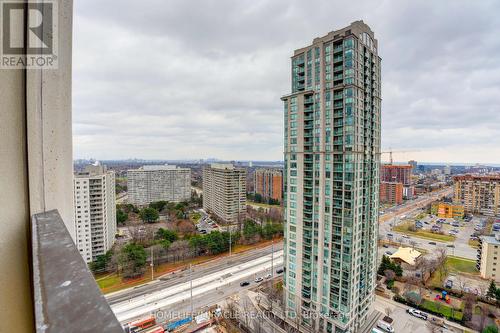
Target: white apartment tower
(95,211)
(331,180)
(153,183)
(224,191)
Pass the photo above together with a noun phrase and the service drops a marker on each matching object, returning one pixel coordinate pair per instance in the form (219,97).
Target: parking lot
(206,224)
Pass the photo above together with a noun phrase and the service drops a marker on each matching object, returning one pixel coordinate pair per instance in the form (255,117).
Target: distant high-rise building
(331,176)
(95,211)
(224,192)
(269,183)
(391,193)
(413,166)
(447,170)
(153,183)
(478,194)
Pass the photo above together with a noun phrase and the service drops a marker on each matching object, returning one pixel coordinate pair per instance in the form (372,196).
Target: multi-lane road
(177,291)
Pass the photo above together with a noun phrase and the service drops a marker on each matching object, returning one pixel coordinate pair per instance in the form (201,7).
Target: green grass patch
(263,205)
(461,265)
(195,217)
(442,308)
(108,281)
(404,228)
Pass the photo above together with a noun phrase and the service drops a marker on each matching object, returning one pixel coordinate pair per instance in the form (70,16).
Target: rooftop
(406,254)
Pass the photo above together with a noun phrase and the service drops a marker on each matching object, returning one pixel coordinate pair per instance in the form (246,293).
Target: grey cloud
(195,79)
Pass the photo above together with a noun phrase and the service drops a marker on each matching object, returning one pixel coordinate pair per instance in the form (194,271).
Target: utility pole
(191,286)
(272,258)
(229,241)
(152,265)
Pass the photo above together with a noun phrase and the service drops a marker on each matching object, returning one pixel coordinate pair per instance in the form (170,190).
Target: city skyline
(212,90)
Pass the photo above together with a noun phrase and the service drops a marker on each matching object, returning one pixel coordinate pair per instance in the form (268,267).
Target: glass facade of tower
(331,180)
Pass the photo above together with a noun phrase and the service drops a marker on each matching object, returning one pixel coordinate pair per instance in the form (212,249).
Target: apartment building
(488,257)
(478,193)
(269,183)
(391,193)
(152,183)
(396,173)
(224,192)
(95,211)
(331,180)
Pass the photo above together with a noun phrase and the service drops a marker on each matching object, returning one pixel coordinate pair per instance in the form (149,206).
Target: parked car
(244,283)
(432,243)
(385,246)
(389,253)
(279,271)
(385,326)
(417,313)
(405,236)
(448,284)
(268,276)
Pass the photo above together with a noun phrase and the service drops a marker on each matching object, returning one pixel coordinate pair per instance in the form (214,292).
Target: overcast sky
(197,79)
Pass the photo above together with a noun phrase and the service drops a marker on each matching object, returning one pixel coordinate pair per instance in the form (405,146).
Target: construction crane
(390,151)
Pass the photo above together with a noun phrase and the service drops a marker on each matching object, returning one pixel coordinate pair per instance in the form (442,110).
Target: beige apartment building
(488,257)
(480,194)
(95,211)
(152,183)
(224,192)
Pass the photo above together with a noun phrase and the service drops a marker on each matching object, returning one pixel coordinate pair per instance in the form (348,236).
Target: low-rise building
(488,257)
(447,210)
(405,255)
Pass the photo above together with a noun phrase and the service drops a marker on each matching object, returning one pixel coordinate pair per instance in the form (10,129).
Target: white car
(268,276)
(259,279)
(405,236)
(417,313)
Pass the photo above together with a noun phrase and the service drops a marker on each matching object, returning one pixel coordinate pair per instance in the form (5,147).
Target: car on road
(244,284)
(385,246)
(405,236)
(417,313)
(389,253)
(279,271)
(259,279)
(432,243)
(268,276)
(390,235)
(450,245)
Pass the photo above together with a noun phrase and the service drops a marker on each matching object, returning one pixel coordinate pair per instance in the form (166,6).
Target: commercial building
(447,210)
(391,193)
(479,194)
(153,183)
(331,180)
(95,211)
(269,183)
(224,192)
(488,257)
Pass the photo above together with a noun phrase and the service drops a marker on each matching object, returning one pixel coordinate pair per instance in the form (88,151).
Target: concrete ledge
(66,295)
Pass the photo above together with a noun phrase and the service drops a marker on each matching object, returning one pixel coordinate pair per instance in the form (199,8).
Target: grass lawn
(263,205)
(473,243)
(442,308)
(108,281)
(461,265)
(404,228)
(195,217)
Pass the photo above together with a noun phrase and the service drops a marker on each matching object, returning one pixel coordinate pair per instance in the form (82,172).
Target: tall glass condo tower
(331,180)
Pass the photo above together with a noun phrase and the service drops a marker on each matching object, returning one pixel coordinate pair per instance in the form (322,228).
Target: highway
(149,299)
